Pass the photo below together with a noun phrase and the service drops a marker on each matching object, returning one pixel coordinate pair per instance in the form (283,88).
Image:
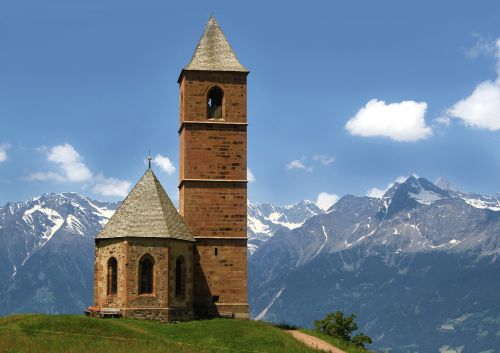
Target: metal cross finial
(149,159)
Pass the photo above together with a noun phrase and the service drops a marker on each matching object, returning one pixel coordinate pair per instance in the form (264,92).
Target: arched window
(214,103)
(146,267)
(112,276)
(180,277)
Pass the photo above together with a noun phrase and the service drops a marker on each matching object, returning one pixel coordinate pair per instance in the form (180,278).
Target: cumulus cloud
(164,163)
(403,121)
(443,120)
(111,187)
(71,168)
(250,176)
(298,164)
(70,164)
(43,176)
(3,151)
(326,200)
(481,109)
(482,46)
(376,193)
(324,159)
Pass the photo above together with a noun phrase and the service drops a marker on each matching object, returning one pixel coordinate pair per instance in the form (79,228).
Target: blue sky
(343,96)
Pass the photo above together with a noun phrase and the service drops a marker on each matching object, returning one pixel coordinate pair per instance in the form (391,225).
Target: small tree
(360,340)
(338,325)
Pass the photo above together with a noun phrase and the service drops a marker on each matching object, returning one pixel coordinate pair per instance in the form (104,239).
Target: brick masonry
(213,190)
(162,303)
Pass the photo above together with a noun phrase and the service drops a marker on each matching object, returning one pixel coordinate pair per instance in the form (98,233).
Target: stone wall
(213,189)
(194,87)
(106,249)
(181,306)
(221,271)
(161,304)
(213,209)
(213,151)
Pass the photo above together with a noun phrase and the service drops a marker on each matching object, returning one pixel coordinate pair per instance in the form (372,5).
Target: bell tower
(213,173)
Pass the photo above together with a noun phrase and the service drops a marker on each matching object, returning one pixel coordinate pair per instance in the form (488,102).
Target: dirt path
(314,342)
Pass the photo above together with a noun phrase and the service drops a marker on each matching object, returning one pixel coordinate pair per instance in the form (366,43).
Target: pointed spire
(213,52)
(146,212)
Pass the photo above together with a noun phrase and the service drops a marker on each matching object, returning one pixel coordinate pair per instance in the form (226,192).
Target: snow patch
(258,227)
(266,309)
(52,215)
(103,212)
(426,197)
(74,225)
(252,248)
(324,243)
(492,204)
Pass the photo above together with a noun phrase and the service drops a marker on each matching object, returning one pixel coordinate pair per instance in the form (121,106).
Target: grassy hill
(70,333)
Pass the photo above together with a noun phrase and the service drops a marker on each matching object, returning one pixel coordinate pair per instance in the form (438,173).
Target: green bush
(338,325)
(360,340)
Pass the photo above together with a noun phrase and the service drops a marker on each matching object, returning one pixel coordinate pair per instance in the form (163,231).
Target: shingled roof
(146,212)
(213,52)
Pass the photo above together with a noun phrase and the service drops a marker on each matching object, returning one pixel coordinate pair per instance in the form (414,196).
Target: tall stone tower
(213,173)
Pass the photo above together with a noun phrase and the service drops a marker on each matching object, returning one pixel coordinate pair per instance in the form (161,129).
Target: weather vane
(149,158)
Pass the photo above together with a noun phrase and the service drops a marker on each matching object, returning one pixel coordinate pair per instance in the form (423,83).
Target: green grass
(71,334)
(337,342)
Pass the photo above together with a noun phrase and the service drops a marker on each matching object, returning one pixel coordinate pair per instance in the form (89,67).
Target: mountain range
(418,265)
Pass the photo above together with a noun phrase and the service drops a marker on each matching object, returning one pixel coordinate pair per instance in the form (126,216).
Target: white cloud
(376,193)
(483,46)
(324,159)
(402,179)
(3,151)
(444,120)
(72,169)
(250,176)
(69,162)
(482,108)
(43,176)
(111,187)
(297,164)
(164,163)
(326,200)
(402,121)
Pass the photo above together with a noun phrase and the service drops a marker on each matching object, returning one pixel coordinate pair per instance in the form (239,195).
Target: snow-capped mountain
(408,263)
(264,220)
(47,247)
(40,241)
(419,265)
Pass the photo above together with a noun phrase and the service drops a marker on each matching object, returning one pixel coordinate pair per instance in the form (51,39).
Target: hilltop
(70,333)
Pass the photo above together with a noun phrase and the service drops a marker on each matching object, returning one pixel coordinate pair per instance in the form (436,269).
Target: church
(156,262)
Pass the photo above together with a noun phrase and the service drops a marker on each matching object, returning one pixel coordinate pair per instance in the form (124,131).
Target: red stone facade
(163,303)
(213,189)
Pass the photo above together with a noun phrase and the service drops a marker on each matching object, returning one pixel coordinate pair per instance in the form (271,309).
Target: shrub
(360,340)
(338,325)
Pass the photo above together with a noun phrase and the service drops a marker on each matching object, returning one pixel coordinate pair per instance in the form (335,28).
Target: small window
(215,298)
(112,276)
(180,277)
(214,103)
(146,266)
(216,251)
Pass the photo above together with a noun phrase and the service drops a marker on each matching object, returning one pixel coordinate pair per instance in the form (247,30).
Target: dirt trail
(314,342)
